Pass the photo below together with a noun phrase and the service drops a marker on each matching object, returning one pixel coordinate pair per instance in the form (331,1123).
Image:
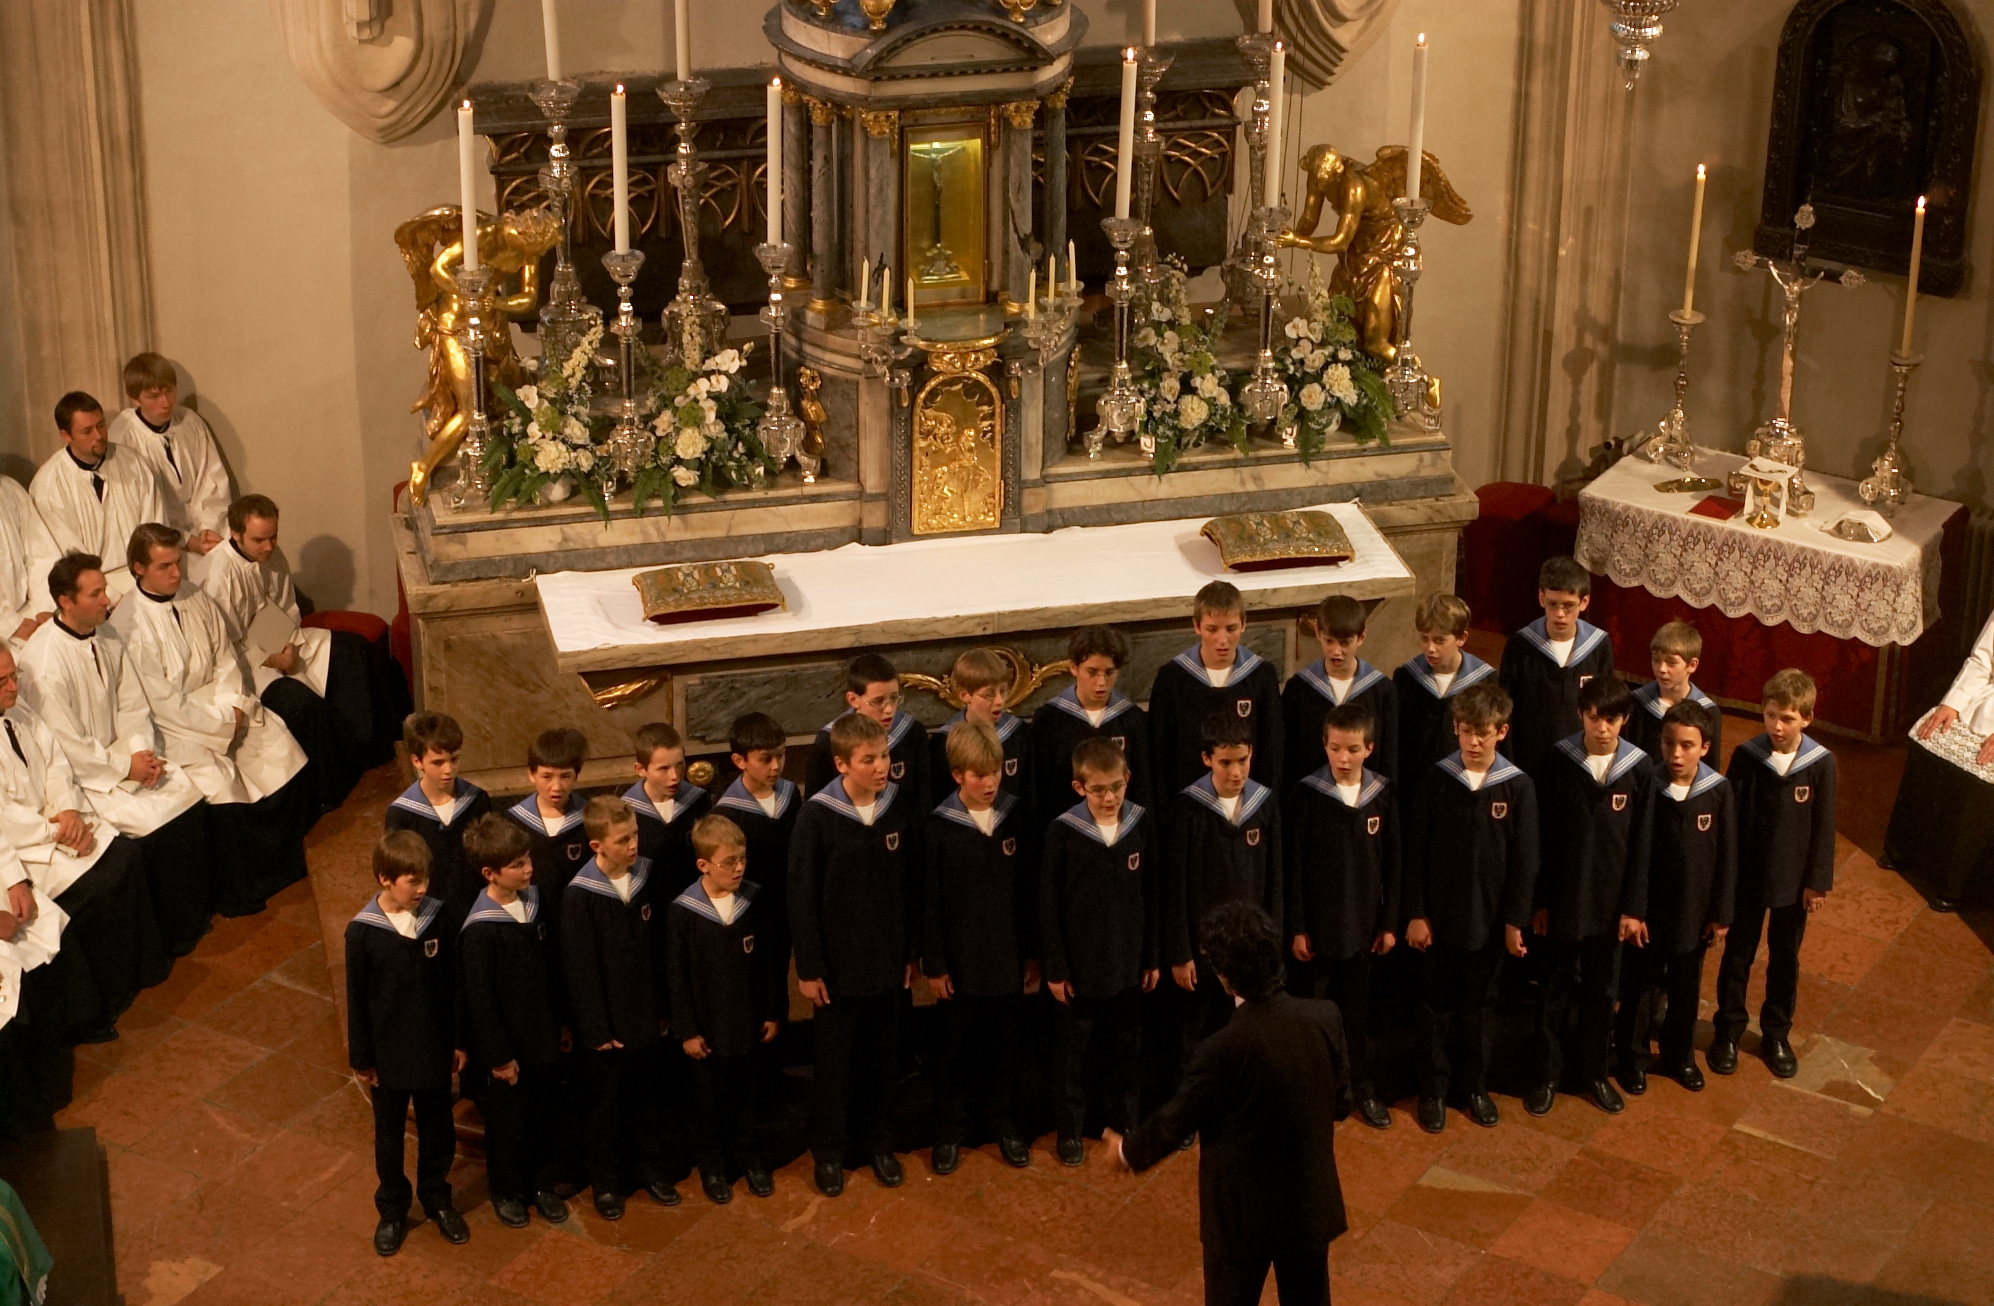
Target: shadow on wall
(324,571)
(19,466)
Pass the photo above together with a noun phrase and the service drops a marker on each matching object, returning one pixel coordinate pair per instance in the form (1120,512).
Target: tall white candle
(775,162)
(619,165)
(1051,277)
(1072,269)
(1148,22)
(865,282)
(1266,23)
(1911,292)
(1695,243)
(1032,295)
(682,26)
(1415,158)
(550,27)
(1277,75)
(467,183)
(885,291)
(1125,137)
(910,305)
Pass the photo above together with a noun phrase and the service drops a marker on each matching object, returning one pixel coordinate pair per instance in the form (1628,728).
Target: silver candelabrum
(1047,331)
(780,430)
(1240,270)
(630,444)
(474,483)
(1888,487)
(1635,25)
(1405,378)
(880,348)
(695,322)
(1120,405)
(565,316)
(1151,64)
(1671,443)
(1263,397)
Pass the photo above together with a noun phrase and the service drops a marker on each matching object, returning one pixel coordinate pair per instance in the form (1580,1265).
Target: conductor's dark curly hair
(1242,944)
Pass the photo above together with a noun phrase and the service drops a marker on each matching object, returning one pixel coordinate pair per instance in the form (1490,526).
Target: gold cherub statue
(433,251)
(1367,232)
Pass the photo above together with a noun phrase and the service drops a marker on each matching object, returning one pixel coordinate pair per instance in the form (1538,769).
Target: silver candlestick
(1151,64)
(1263,397)
(474,483)
(695,322)
(1405,378)
(1671,443)
(1047,331)
(1120,406)
(1241,267)
(630,445)
(565,317)
(878,334)
(780,430)
(1889,487)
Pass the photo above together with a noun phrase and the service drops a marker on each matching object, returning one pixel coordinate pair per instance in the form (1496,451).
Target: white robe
(193,680)
(27,551)
(87,695)
(32,792)
(195,479)
(1972,692)
(81,523)
(242,589)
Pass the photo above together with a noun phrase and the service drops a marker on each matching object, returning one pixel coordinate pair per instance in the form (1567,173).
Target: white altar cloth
(961,586)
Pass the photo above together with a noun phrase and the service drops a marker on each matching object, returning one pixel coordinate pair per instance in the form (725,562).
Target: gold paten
(1254,541)
(1026,678)
(1689,485)
(706,591)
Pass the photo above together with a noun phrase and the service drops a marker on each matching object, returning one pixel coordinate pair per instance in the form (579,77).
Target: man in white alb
(27,551)
(176,442)
(93,494)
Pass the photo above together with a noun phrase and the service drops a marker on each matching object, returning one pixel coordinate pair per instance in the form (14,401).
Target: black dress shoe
(1634,1079)
(886,1169)
(760,1182)
(552,1209)
(718,1190)
(1187,1142)
(1539,1099)
(1722,1058)
(1482,1110)
(1687,1075)
(609,1206)
(1015,1151)
(1940,903)
(1070,1151)
(662,1193)
(1606,1097)
(1779,1058)
(389,1236)
(451,1225)
(511,1212)
(1432,1114)
(102,1034)
(830,1178)
(946,1158)
(1373,1113)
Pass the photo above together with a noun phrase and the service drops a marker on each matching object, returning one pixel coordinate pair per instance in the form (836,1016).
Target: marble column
(1016,227)
(1054,220)
(825,278)
(878,237)
(796,227)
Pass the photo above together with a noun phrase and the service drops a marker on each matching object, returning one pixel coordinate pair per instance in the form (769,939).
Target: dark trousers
(259,847)
(1300,1279)
(858,1058)
(314,723)
(176,866)
(110,950)
(621,1137)
(1788,927)
(435,1144)
(723,1114)
(1575,1007)
(1456,1001)
(520,1127)
(1942,826)
(1114,1025)
(1346,981)
(979,1065)
(1644,972)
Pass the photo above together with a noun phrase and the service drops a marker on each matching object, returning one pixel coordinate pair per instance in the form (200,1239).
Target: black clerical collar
(88,467)
(64,627)
(161,429)
(240,554)
(155,597)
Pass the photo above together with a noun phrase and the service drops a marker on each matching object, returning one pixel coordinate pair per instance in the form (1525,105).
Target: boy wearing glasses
(872,689)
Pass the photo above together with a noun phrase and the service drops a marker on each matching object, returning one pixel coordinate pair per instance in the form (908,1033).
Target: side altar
(928,368)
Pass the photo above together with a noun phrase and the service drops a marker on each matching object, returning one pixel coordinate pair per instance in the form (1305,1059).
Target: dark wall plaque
(1875,102)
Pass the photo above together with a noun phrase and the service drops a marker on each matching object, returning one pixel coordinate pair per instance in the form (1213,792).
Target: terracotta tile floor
(239,1158)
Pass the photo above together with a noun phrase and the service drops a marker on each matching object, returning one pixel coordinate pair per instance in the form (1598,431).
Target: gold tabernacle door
(958,477)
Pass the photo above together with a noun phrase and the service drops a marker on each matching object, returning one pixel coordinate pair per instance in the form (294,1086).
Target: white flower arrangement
(1331,384)
(705,424)
(1187,397)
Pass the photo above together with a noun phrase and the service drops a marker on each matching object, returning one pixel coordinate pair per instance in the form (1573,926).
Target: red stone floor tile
(1136,1244)
(295,1171)
(314,1254)
(123,1109)
(1964,1048)
(1721,1221)
(195,986)
(1373,1176)
(1802,1120)
(1522,1160)
(1660,1271)
(278,1089)
(1396,1258)
(1946,935)
(321,1043)
(1865,905)
(1769,1173)
(1499,1281)
(261,944)
(1571,1120)
(139,1030)
(143,1189)
(564,1269)
(1625,1192)
(1349,1292)
(307,970)
(1475,1217)
(221,1222)
(235,1286)
(1840,955)
(991,1266)
(1657,1139)
(718,1259)
(343,1119)
(205,1139)
(194,1060)
(1595,1297)
(1722,1099)
(1891,1147)
(1948,1256)
(267,1013)
(1946,1101)
(1563,1242)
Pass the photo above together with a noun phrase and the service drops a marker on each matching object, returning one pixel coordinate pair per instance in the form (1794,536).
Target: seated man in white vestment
(74,675)
(93,494)
(52,837)
(27,551)
(182,452)
(239,754)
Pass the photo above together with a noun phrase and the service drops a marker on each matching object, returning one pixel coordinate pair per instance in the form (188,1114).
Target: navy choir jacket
(768,855)
(559,848)
(1786,824)
(616,986)
(401,997)
(507,1002)
(1644,723)
(1472,866)
(982,897)
(1307,700)
(1057,730)
(1692,877)
(906,740)
(1546,695)
(1015,733)
(1099,903)
(722,980)
(1182,696)
(450,880)
(668,844)
(1210,860)
(855,892)
(1342,864)
(1426,716)
(1595,838)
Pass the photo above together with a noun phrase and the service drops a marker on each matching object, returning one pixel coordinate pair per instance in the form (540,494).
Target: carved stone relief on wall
(383,67)
(1321,34)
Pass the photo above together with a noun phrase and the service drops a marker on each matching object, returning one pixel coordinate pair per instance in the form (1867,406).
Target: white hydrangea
(1168,388)
(1208,386)
(690,445)
(1318,360)
(573,431)
(685,475)
(1312,397)
(1192,412)
(583,459)
(549,457)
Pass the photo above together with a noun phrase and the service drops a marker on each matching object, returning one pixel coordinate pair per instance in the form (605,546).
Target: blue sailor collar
(895,733)
(1244,660)
(1007,724)
(1068,701)
(833,796)
(1650,696)
(1316,678)
(1471,670)
(1079,818)
(694,900)
(412,799)
(426,913)
(1809,752)
(738,797)
(638,801)
(1706,780)
(952,809)
(527,812)
(487,908)
(1584,640)
(1369,785)
(1625,757)
(1251,799)
(1501,771)
(591,878)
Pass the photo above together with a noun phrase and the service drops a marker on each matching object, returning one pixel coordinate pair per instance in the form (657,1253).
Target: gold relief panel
(958,481)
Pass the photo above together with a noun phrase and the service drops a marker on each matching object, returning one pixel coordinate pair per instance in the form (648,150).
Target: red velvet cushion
(1512,500)
(364,624)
